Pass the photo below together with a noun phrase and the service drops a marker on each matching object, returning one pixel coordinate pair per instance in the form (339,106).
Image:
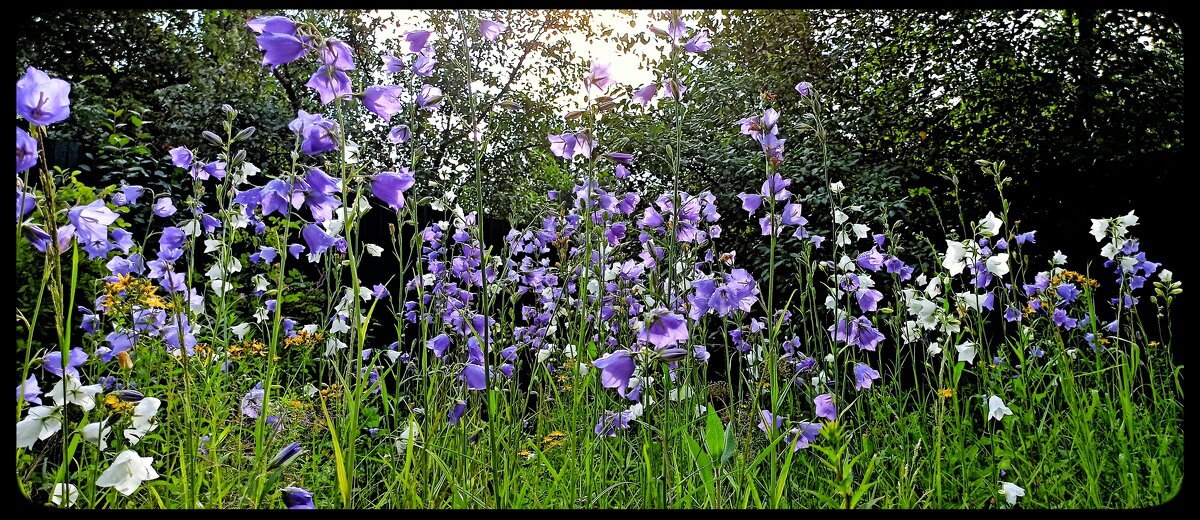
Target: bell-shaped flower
(989,226)
(1011,492)
(966,351)
(39,424)
(128,472)
(297,498)
(42,100)
(142,423)
(70,391)
(383,101)
(27,153)
(390,187)
(491,30)
(996,408)
(72,494)
(615,370)
(97,434)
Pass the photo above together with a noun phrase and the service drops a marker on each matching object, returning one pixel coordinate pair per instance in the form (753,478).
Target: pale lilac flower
(615,370)
(646,94)
(491,30)
(29,391)
(599,76)
(383,101)
(27,153)
(429,98)
(252,401)
(825,407)
(698,43)
(42,100)
(863,375)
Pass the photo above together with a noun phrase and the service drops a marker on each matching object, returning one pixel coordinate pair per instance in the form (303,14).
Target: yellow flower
(946,392)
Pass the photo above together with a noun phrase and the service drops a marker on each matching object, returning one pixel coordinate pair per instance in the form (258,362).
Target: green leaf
(730,444)
(714,435)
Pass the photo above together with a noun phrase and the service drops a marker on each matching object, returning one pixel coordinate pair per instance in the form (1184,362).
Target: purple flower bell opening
(330,83)
(863,375)
(491,30)
(297,498)
(667,330)
(252,401)
(27,153)
(272,24)
(91,221)
(383,101)
(390,187)
(825,407)
(75,359)
(615,370)
(42,100)
(280,49)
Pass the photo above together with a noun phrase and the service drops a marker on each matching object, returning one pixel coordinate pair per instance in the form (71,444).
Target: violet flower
(27,153)
(491,30)
(42,100)
(390,187)
(383,101)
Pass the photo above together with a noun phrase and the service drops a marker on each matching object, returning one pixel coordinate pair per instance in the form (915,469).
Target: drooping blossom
(698,43)
(491,30)
(429,98)
(128,472)
(803,435)
(337,54)
(29,391)
(297,498)
(252,401)
(1011,492)
(330,83)
(399,134)
(383,101)
(645,94)
(858,331)
(599,77)
(825,407)
(996,408)
(666,330)
(615,370)
(27,153)
(39,424)
(390,187)
(75,358)
(91,221)
(280,48)
(863,375)
(317,133)
(608,423)
(416,40)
